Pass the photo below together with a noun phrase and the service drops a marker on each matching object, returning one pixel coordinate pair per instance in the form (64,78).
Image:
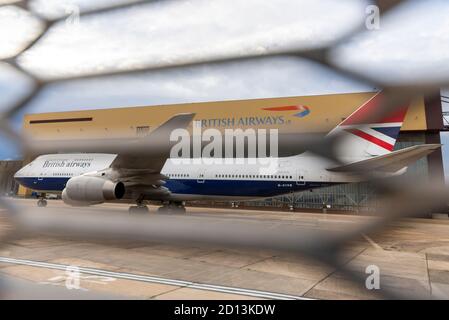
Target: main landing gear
(139,209)
(42,202)
(172,207)
(169,207)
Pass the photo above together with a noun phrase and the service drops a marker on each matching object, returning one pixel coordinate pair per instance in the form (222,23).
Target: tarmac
(412,256)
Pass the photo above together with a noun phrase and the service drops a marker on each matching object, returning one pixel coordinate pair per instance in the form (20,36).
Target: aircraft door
(200,176)
(300,177)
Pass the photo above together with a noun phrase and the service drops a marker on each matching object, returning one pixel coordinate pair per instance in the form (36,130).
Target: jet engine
(88,190)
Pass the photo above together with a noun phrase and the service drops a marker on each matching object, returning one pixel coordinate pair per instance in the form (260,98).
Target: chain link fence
(398,199)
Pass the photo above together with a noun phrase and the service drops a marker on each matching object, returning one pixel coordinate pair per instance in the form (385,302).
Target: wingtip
(430,146)
(186,114)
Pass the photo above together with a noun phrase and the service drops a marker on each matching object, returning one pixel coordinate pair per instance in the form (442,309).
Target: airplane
(365,144)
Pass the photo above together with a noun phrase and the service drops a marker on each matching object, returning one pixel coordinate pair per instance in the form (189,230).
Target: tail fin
(366,133)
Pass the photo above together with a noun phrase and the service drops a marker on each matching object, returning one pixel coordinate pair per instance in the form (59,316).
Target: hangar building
(291,115)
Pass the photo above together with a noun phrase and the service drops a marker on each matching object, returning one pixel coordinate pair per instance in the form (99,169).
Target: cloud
(13,86)
(412,45)
(17,28)
(264,78)
(165,32)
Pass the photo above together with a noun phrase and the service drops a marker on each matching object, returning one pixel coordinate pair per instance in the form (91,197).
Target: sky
(412,44)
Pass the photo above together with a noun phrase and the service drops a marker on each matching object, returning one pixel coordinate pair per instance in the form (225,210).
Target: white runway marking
(150,279)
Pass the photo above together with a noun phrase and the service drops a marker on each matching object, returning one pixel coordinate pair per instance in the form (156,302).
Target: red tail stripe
(364,114)
(371,138)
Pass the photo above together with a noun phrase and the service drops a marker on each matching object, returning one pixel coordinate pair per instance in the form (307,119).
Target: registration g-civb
(243,309)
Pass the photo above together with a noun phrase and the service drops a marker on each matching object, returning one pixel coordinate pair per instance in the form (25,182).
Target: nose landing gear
(42,202)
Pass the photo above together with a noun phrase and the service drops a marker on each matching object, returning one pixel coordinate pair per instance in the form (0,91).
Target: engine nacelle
(86,190)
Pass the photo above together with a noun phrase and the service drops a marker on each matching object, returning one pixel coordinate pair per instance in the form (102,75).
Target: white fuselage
(190,179)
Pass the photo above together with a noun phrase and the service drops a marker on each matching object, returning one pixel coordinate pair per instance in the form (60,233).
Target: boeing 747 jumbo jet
(93,178)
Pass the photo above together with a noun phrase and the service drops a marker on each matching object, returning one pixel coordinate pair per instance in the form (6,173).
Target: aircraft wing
(141,162)
(390,162)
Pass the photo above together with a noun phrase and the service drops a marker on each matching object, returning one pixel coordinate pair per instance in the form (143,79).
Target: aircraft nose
(18,173)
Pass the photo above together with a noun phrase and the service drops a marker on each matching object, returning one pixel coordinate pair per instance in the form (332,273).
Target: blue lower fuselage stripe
(43,184)
(207,187)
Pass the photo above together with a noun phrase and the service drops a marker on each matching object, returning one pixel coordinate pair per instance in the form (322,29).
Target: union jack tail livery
(365,133)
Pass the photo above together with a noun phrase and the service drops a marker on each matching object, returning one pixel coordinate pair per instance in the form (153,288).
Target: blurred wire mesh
(26,57)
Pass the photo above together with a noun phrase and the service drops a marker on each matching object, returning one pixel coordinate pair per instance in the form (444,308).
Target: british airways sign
(243,121)
(300,111)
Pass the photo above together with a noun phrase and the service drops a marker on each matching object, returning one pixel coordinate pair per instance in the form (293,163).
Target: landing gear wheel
(138,210)
(172,208)
(180,209)
(163,209)
(42,203)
